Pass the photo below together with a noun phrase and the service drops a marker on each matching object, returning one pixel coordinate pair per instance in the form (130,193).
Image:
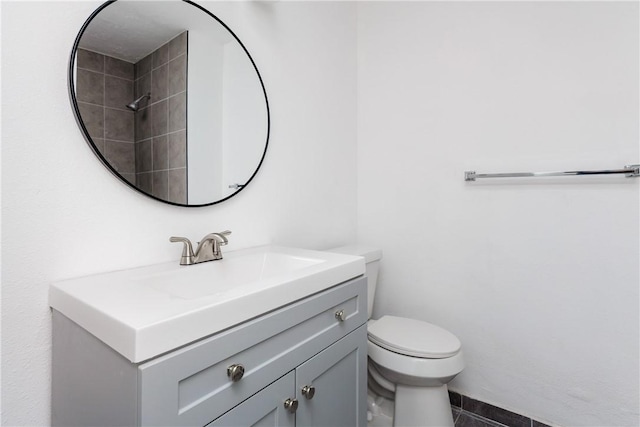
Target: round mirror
(170,100)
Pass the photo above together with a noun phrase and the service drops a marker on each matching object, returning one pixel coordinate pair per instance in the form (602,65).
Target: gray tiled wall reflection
(104,87)
(160,123)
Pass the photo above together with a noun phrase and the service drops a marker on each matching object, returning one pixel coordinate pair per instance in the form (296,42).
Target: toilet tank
(372,258)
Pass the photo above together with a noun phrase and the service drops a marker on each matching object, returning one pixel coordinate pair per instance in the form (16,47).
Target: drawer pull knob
(291,405)
(308,391)
(340,315)
(235,372)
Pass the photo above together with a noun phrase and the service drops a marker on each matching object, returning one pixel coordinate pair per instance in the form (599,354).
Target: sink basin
(230,277)
(144,312)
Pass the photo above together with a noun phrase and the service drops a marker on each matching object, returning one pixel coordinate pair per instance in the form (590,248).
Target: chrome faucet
(208,248)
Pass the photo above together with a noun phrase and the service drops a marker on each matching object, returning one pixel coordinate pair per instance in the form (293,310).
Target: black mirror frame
(89,140)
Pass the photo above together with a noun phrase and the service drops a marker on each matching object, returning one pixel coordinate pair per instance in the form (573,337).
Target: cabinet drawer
(190,386)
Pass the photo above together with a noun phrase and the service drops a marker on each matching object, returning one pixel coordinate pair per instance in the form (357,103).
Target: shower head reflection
(136,104)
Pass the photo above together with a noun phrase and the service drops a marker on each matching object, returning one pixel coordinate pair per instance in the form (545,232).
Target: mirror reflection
(170,100)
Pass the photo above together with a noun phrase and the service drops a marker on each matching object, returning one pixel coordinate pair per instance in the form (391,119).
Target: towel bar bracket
(634,171)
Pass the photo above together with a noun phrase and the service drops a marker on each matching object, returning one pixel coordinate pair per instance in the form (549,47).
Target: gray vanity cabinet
(319,342)
(333,375)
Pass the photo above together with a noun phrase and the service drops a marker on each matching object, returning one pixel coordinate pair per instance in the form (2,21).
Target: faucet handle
(187,250)
(224,235)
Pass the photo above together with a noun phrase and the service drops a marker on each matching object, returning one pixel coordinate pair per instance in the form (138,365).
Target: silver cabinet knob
(340,315)
(291,405)
(308,391)
(235,372)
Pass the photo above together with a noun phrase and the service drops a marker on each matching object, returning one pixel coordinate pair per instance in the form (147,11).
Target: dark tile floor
(469,412)
(467,419)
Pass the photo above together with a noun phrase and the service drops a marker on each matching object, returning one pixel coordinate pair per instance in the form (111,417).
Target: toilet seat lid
(413,338)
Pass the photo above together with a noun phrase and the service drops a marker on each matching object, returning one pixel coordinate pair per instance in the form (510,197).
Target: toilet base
(422,407)
(379,410)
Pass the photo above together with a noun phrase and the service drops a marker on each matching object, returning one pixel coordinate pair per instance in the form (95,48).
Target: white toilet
(410,362)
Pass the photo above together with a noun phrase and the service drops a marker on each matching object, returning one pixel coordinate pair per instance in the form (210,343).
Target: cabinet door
(263,409)
(338,376)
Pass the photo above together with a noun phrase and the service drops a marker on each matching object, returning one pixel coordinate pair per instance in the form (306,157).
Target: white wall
(64,215)
(538,278)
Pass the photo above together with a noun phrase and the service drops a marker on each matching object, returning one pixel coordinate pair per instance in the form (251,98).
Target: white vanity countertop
(147,311)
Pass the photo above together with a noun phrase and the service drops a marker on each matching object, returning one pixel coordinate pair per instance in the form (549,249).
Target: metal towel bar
(630,171)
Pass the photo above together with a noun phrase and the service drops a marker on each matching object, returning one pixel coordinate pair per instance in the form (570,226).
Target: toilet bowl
(410,362)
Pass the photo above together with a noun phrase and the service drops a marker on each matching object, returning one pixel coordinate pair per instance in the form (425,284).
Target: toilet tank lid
(369,253)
